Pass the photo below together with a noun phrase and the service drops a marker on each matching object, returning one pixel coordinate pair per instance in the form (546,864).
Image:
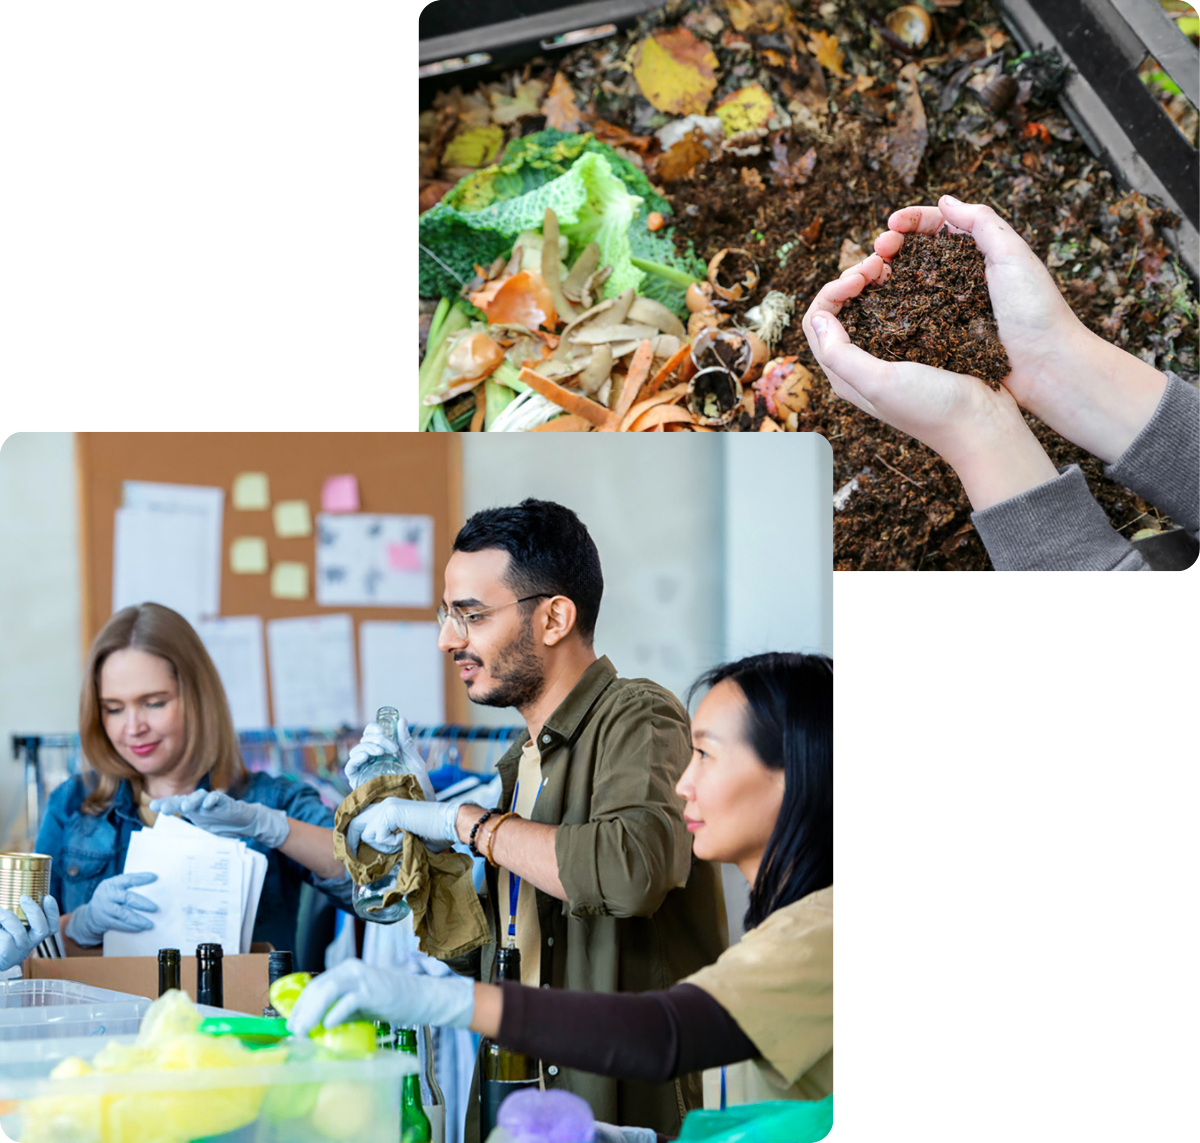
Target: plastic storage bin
(36,1009)
(316,1101)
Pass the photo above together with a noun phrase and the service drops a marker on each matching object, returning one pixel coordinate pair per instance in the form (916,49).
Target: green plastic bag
(776,1121)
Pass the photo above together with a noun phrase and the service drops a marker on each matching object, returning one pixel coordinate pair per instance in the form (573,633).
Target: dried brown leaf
(828,53)
(682,158)
(560,109)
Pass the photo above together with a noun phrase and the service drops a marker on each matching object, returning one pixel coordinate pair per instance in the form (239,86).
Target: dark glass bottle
(414,1123)
(385,1037)
(502,1072)
(278,964)
(210,982)
(168,970)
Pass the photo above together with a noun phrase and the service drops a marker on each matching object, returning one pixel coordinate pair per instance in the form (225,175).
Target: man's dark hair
(549,550)
(789,725)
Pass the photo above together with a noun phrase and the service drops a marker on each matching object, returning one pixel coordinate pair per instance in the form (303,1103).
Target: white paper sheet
(313,682)
(208,889)
(192,500)
(254,874)
(236,646)
(157,558)
(198,892)
(401,666)
(374,561)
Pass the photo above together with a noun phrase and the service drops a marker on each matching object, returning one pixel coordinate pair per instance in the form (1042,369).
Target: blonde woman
(158,737)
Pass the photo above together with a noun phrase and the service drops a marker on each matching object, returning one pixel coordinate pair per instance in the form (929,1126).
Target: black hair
(549,550)
(789,725)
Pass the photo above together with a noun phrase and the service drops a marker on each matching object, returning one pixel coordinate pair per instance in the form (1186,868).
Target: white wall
(40,652)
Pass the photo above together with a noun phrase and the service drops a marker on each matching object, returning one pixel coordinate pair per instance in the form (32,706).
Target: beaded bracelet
(475,829)
(491,837)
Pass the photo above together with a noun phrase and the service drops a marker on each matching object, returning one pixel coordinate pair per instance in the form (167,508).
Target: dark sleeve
(647,1036)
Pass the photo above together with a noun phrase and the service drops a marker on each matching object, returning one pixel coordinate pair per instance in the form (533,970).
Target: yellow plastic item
(353,1040)
(167,1042)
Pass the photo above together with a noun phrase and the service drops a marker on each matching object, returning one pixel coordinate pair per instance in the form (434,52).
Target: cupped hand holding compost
(1091,392)
(979,431)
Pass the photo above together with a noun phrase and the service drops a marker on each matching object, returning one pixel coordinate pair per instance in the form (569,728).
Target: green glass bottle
(414,1123)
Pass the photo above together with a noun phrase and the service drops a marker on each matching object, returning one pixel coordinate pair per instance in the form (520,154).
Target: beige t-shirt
(529,935)
(777,983)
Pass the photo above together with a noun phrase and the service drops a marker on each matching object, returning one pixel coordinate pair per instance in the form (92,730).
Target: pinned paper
(289,580)
(374,560)
(248,555)
(251,492)
(340,494)
(292,519)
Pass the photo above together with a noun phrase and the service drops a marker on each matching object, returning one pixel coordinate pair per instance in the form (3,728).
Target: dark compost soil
(933,308)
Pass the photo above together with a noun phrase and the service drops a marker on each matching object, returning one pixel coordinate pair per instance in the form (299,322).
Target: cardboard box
(245,975)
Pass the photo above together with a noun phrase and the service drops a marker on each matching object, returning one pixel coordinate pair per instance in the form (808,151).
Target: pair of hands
(382,825)
(17,942)
(1089,391)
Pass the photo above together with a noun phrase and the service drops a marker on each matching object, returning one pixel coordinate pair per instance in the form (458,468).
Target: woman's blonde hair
(210,742)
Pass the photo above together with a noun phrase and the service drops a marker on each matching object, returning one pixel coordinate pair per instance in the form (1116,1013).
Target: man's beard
(517,675)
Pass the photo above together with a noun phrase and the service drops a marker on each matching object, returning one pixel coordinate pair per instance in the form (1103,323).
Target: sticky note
(404,557)
(248,555)
(289,580)
(251,492)
(340,494)
(292,518)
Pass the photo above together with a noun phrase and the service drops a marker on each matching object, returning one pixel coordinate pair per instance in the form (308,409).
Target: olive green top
(640,913)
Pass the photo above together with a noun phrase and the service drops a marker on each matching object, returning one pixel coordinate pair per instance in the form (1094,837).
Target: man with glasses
(590,871)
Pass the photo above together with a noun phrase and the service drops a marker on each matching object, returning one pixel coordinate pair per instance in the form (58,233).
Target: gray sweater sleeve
(1058,526)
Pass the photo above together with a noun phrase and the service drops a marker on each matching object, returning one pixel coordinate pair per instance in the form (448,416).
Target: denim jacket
(89,848)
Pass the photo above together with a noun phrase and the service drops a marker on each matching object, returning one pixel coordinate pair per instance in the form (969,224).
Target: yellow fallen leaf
(475,148)
(828,53)
(746,109)
(509,108)
(560,108)
(676,72)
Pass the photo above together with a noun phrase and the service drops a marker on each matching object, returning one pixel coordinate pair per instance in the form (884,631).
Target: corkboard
(405,473)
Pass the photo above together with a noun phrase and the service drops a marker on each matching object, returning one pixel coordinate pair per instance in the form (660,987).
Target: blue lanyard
(514,882)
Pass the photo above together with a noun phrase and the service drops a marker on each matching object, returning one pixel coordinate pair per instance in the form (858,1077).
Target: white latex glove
(16,943)
(217,812)
(380,825)
(113,906)
(374,743)
(378,993)
(610,1133)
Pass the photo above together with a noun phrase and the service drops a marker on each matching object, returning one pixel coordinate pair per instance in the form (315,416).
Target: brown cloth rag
(447,916)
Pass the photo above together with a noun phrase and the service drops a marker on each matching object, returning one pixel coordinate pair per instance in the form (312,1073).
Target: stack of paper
(207,890)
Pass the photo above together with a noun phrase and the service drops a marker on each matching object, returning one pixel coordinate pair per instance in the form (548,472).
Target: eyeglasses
(461,618)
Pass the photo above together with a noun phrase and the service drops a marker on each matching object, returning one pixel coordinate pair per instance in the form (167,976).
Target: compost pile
(775,139)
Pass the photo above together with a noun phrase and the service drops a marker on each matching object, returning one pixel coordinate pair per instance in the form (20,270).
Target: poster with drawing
(369,560)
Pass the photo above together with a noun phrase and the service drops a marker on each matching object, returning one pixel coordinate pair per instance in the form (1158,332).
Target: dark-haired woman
(759,794)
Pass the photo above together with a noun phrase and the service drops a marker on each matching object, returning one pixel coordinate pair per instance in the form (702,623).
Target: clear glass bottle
(414,1123)
(368,899)
(502,1072)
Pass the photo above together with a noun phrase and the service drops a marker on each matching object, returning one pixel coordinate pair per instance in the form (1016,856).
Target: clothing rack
(315,755)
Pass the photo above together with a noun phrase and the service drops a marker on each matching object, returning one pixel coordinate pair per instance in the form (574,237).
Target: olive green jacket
(640,913)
